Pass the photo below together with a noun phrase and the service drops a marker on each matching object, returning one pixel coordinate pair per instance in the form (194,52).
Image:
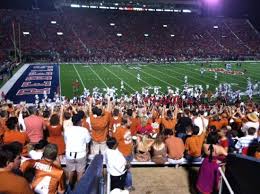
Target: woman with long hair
(55,133)
(159,151)
(209,175)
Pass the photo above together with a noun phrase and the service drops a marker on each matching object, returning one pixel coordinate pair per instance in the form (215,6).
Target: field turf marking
(119,78)
(98,77)
(135,76)
(79,76)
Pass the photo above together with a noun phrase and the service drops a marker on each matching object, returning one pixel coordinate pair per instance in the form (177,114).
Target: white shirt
(249,124)
(198,122)
(115,162)
(244,142)
(76,139)
(35,155)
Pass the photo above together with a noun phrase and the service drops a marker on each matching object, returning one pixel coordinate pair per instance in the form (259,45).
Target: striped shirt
(244,142)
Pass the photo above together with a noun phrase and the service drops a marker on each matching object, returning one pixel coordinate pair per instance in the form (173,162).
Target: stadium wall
(243,174)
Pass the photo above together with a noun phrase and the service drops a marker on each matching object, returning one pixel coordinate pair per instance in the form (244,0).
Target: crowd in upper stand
(92,35)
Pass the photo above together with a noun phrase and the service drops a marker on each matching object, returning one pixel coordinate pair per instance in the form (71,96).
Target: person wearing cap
(253,121)
(76,140)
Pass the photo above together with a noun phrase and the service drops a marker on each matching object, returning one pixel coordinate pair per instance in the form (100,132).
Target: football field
(151,75)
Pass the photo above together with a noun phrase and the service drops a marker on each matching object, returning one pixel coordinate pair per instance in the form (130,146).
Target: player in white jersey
(138,77)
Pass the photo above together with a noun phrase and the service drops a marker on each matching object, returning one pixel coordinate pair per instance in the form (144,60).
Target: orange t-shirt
(194,144)
(99,127)
(13,184)
(114,122)
(124,140)
(49,178)
(11,136)
(168,123)
(135,122)
(217,124)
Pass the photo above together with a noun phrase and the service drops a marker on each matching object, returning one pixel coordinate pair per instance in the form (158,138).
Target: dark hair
(32,110)
(195,130)
(115,112)
(41,144)
(54,120)
(76,119)
(169,114)
(15,147)
(6,156)
(129,112)
(46,114)
(50,151)
(11,123)
(168,132)
(212,139)
(8,153)
(111,142)
(67,115)
(251,131)
(96,111)
(3,113)
(81,114)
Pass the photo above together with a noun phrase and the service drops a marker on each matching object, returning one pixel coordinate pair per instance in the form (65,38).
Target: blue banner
(38,80)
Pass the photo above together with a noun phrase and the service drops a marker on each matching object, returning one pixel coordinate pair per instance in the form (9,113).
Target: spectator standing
(116,165)
(99,124)
(76,142)
(34,126)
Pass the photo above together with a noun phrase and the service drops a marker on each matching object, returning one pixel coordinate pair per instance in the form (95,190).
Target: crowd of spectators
(143,130)
(92,35)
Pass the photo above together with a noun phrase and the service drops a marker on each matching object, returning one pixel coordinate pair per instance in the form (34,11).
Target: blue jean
(128,181)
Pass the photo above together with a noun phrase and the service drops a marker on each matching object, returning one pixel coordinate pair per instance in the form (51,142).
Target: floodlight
(146,35)
(75,5)
(215,27)
(53,22)
(186,11)
(26,33)
(59,33)
(112,24)
(119,34)
(172,35)
(165,26)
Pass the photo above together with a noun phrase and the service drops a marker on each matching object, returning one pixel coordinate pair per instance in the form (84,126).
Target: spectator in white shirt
(76,141)
(244,142)
(253,121)
(116,164)
(200,121)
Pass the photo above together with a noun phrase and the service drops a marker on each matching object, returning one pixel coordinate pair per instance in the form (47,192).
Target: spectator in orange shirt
(215,121)
(49,178)
(13,134)
(11,183)
(193,145)
(135,122)
(115,121)
(3,119)
(169,120)
(99,124)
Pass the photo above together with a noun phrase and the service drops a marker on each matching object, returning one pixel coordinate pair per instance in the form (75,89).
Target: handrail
(226,181)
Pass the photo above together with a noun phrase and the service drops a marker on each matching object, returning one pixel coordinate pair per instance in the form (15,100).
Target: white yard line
(166,74)
(135,76)
(168,84)
(98,76)
(59,66)
(120,79)
(79,76)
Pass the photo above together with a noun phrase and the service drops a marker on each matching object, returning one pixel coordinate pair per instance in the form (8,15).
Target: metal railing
(223,177)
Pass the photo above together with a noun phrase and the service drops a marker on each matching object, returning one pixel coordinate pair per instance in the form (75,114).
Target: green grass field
(162,75)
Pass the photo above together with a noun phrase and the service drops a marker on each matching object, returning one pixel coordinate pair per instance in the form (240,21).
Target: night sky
(234,8)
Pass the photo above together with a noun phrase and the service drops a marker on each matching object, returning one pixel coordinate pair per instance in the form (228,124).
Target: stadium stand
(86,34)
